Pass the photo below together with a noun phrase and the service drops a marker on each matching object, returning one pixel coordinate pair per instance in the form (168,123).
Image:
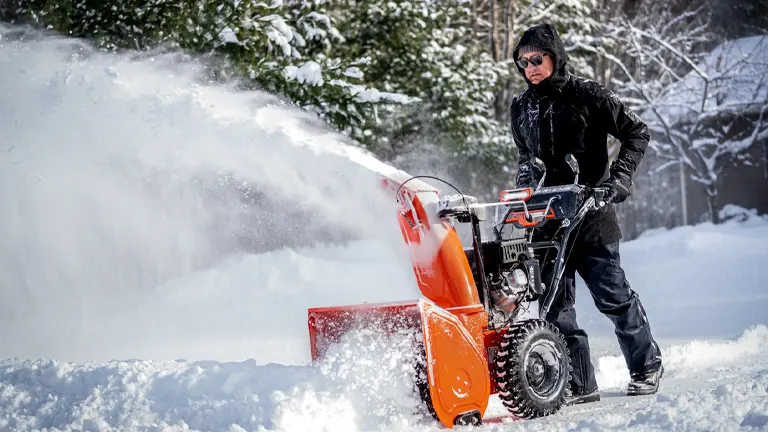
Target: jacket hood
(545,37)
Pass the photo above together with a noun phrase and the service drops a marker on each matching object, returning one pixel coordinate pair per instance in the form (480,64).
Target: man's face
(534,73)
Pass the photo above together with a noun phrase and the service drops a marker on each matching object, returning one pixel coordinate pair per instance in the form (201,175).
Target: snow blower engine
(480,325)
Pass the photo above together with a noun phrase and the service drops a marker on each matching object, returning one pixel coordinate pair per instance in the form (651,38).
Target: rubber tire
(512,381)
(421,380)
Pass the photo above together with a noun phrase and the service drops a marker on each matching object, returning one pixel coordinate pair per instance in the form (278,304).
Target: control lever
(574,164)
(539,164)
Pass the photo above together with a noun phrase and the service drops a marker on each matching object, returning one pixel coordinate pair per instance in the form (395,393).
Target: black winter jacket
(569,114)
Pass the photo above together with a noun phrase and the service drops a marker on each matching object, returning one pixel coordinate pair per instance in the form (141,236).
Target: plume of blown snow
(123,172)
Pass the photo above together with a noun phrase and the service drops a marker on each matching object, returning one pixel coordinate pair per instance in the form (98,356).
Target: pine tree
(111,25)
(418,48)
(281,46)
(286,49)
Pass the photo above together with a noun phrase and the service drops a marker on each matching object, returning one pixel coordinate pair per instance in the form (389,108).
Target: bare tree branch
(673,50)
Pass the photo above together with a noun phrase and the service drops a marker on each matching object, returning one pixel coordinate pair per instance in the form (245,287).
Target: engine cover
(500,254)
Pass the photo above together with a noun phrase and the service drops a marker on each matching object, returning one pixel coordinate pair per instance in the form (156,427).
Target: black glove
(617,187)
(529,175)
(524,176)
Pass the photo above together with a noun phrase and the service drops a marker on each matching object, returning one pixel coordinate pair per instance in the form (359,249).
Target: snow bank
(695,281)
(689,359)
(370,393)
(733,213)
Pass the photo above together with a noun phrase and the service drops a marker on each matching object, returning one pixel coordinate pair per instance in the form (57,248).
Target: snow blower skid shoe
(475,334)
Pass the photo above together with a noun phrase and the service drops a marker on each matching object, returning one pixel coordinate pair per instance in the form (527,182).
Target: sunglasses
(535,60)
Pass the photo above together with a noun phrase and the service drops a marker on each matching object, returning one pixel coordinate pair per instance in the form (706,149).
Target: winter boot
(574,399)
(645,383)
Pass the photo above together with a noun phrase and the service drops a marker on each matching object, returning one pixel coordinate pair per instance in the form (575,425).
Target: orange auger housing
(451,317)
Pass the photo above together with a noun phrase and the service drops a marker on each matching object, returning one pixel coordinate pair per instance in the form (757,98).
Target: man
(560,113)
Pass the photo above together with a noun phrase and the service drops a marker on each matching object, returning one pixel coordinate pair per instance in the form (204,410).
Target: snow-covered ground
(124,307)
(709,384)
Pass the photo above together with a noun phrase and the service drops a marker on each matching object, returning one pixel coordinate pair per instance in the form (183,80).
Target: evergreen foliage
(282,47)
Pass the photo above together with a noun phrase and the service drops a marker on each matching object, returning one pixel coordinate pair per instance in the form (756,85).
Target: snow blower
(480,321)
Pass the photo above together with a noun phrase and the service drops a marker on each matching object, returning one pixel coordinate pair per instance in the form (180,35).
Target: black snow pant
(600,267)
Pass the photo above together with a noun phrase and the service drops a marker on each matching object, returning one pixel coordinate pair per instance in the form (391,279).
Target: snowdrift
(360,387)
(702,281)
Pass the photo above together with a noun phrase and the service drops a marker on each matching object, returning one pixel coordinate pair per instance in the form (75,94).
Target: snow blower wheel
(421,385)
(532,369)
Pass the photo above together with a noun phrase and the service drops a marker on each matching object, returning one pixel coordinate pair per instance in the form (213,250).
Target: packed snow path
(138,291)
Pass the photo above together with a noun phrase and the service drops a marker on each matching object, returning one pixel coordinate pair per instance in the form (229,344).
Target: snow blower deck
(481,332)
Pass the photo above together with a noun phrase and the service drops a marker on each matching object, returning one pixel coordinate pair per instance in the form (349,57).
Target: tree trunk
(765,156)
(508,6)
(683,192)
(492,31)
(473,18)
(712,204)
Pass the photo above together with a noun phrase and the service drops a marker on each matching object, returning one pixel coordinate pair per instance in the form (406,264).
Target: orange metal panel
(457,367)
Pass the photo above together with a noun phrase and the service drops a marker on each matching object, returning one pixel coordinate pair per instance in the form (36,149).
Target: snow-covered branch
(687,15)
(696,102)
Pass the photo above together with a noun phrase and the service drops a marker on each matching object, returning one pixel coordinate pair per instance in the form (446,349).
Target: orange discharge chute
(450,317)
